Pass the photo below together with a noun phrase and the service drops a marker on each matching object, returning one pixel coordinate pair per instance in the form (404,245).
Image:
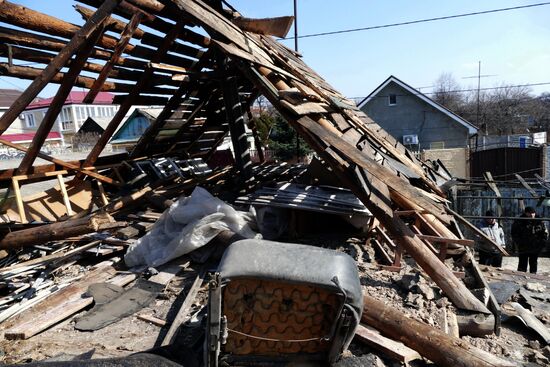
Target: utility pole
(478,77)
(478,90)
(296,49)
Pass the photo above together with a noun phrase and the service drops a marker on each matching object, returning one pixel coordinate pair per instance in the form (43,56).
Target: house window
(66,121)
(437,145)
(392,99)
(30,120)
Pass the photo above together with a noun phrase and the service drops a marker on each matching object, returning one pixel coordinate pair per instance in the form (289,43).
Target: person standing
(488,254)
(529,238)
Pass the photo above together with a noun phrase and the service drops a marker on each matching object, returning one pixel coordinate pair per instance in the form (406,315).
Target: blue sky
(514,45)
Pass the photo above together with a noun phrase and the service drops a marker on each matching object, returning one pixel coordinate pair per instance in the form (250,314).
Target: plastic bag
(190,223)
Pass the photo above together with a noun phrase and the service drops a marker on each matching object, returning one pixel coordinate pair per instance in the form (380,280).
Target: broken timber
(380,171)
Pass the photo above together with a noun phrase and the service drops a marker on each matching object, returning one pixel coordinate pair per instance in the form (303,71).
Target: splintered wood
(206,83)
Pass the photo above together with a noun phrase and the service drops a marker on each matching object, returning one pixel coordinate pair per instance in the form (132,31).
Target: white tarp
(191,222)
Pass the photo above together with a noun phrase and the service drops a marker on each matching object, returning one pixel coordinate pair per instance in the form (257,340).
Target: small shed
(90,131)
(134,127)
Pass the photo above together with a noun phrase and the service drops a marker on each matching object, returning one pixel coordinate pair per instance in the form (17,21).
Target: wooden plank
(397,184)
(58,101)
(59,61)
(478,231)
(391,348)
(437,239)
(67,165)
(19,201)
(66,200)
(128,101)
(102,195)
(213,21)
(183,313)
(489,179)
(431,343)
(121,45)
(278,26)
(235,51)
(305,108)
(524,183)
(152,319)
(58,306)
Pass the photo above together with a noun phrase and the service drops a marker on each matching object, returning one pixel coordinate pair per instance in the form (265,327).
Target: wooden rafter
(58,101)
(128,102)
(125,38)
(57,63)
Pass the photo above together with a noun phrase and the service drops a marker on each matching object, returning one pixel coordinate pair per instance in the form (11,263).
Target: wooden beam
(59,61)
(26,72)
(19,200)
(27,18)
(478,232)
(442,275)
(431,343)
(391,348)
(111,23)
(491,183)
(128,102)
(152,131)
(235,118)
(183,313)
(58,102)
(524,183)
(190,119)
(66,200)
(277,27)
(398,185)
(252,126)
(70,166)
(42,42)
(127,10)
(436,239)
(125,38)
(58,231)
(146,38)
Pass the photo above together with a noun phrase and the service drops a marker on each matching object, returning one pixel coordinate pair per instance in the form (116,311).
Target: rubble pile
(165,255)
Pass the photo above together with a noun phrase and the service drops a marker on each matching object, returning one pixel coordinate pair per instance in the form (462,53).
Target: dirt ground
(131,335)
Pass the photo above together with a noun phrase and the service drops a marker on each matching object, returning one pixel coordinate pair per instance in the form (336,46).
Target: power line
(419,21)
(462,90)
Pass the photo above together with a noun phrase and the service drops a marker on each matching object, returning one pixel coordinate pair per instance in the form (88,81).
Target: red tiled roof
(75,97)
(27,137)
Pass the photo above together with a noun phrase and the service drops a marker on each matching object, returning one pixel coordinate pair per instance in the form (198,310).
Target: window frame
(390,98)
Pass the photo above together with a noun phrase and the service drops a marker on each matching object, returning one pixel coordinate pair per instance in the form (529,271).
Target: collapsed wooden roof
(200,62)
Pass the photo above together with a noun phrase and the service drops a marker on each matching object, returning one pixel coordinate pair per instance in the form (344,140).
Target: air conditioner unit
(410,139)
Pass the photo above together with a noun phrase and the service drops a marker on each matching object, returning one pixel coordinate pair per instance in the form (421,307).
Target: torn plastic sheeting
(190,223)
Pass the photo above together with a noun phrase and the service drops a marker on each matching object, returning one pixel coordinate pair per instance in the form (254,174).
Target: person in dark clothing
(488,254)
(529,239)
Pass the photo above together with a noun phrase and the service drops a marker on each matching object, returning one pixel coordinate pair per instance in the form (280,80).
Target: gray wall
(412,116)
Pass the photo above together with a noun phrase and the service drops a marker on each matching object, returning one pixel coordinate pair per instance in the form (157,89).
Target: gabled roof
(472,129)
(75,97)
(102,122)
(150,114)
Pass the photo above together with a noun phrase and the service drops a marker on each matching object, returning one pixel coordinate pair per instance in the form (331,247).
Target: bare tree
(447,92)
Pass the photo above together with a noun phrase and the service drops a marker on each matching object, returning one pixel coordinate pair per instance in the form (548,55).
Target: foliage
(282,140)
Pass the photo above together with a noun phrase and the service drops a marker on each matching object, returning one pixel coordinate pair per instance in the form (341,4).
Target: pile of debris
(167,212)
